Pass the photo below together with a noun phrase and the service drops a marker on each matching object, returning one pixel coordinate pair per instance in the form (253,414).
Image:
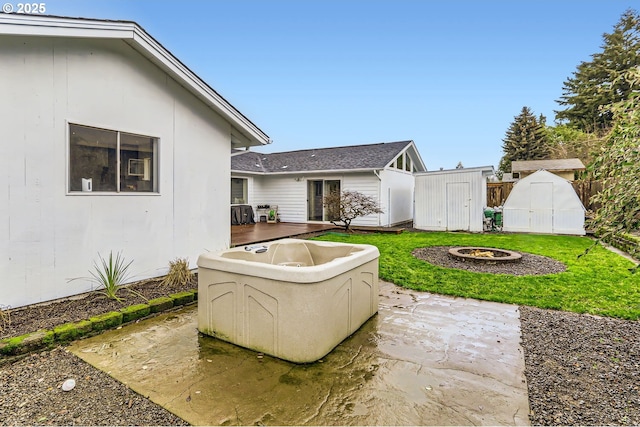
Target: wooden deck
(263,232)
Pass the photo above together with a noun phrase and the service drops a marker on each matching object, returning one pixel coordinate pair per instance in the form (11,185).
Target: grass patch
(599,283)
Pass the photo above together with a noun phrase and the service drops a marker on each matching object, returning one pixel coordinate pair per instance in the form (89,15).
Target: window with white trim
(102,160)
(239,190)
(399,163)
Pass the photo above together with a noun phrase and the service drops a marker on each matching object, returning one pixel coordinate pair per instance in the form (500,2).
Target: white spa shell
(544,203)
(266,302)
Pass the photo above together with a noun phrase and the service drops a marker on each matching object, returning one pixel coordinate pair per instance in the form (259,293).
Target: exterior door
(314,200)
(458,206)
(316,190)
(541,207)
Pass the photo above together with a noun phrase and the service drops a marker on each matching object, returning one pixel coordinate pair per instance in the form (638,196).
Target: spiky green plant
(110,274)
(179,273)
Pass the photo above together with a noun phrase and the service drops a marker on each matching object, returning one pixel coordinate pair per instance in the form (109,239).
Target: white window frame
(245,190)
(153,162)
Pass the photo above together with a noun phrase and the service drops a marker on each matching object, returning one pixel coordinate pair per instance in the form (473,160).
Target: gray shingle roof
(371,156)
(550,165)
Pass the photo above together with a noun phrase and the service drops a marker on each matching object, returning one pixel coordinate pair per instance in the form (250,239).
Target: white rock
(68,385)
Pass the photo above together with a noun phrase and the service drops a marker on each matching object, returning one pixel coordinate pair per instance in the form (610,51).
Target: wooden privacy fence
(497,192)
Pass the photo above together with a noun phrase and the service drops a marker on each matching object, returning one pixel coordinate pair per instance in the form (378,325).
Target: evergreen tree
(526,139)
(600,83)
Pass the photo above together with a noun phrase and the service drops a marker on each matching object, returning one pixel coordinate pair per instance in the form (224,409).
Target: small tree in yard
(342,208)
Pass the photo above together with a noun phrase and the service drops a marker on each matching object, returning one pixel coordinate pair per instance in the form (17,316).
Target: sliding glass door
(316,190)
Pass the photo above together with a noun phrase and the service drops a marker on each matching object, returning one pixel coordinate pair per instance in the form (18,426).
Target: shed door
(458,209)
(541,208)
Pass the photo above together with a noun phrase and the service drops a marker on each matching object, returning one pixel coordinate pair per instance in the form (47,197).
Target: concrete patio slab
(423,360)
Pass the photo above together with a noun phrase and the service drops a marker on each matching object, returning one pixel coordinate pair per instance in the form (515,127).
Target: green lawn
(598,283)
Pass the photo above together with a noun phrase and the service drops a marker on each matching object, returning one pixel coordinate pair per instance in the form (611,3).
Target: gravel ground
(31,387)
(580,369)
(31,394)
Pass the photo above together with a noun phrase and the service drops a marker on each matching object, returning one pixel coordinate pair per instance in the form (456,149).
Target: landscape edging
(65,333)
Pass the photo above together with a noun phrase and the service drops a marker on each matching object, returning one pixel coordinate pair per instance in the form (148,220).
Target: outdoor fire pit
(484,255)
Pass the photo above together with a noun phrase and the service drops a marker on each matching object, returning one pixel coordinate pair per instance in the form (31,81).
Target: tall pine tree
(599,83)
(526,139)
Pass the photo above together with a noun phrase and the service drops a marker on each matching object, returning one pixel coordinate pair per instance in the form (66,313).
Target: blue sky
(450,75)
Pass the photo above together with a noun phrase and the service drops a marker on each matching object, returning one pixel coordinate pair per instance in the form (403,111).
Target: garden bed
(47,316)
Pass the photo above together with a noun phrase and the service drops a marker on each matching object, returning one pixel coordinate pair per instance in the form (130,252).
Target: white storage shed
(543,203)
(451,200)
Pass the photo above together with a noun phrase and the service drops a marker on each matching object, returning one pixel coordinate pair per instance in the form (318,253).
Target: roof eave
(485,170)
(308,172)
(422,167)
(246,133)
(250,134)
(416,157)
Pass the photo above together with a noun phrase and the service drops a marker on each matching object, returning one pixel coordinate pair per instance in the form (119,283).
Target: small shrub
(342,208)
(111,274)
(179,273)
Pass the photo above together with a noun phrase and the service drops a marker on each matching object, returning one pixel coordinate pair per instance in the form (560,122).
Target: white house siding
(288,192)
(396,195)
(369,185)
(48,236)
(450,200)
